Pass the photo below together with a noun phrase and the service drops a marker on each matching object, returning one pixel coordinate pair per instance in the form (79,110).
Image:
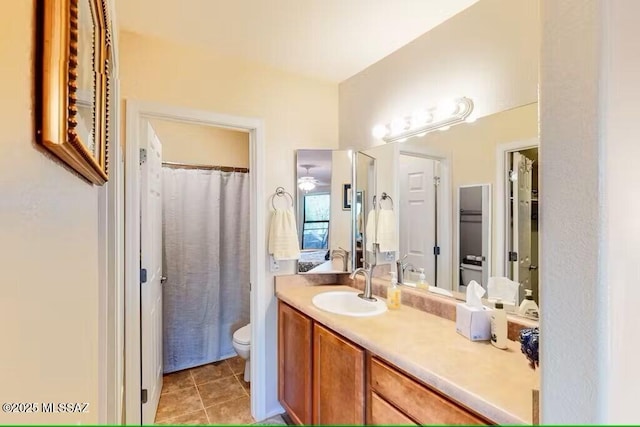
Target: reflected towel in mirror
(386,234)
(370,230)
(283,235)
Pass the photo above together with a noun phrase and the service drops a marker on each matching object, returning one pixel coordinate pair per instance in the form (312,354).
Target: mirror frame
(57,71)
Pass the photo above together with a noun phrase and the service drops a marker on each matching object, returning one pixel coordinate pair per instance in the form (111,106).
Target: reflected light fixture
(442,117)
(306,183)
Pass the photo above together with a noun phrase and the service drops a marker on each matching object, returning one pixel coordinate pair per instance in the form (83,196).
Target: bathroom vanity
(400,367)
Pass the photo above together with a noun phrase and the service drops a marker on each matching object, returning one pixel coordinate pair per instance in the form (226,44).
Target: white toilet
(470,272)
(242,345)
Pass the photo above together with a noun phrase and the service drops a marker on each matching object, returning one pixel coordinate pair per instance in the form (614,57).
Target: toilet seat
(243,335)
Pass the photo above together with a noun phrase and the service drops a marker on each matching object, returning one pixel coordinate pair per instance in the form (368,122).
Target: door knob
(163,279)
(533,267)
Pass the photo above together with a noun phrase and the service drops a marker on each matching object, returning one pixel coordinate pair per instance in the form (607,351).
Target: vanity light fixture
(442,117)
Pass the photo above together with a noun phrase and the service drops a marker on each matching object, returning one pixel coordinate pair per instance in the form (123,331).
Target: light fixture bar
(463,107)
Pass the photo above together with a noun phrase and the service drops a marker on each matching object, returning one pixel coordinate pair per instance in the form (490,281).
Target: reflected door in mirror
(523,208)
(418,217)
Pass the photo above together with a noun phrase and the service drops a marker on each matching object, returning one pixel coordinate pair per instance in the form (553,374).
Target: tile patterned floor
(211,394)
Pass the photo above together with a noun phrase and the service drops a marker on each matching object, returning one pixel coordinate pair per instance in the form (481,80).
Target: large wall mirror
(73,81)
(466,202)
(324,199)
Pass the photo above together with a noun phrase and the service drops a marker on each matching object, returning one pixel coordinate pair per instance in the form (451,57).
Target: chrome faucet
(367,282)
(401,268)
(341,253)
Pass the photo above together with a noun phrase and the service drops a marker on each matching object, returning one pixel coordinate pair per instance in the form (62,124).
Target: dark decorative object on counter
(529,340)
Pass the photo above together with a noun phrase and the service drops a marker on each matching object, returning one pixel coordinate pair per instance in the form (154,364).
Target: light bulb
(420,118)
(398,125)
(447,107)
(379,131)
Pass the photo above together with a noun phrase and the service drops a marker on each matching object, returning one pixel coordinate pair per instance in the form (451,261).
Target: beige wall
(203,145)
(488,52)
(298,112)
(49,252)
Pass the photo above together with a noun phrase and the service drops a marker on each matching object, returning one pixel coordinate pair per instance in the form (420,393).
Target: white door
(521,209)
(151,262)
(417,208)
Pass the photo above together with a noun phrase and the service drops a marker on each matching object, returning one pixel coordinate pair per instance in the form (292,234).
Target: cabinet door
(338,379)
(294,363)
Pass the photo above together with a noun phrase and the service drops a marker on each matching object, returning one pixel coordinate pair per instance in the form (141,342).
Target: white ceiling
(327,39)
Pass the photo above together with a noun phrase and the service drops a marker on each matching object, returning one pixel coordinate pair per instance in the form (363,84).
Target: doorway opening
(199,266)
(518,241)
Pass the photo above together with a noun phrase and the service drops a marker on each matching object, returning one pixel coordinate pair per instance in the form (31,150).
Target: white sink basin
(348,304)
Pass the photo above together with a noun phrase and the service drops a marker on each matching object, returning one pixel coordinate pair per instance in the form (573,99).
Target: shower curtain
(206,261)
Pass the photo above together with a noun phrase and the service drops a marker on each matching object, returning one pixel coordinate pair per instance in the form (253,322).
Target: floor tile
(178,403)
(237,411)
(193,418)
(236,364)
(176,381)
(210,372)
(277,420)
(244,384)
(218,391)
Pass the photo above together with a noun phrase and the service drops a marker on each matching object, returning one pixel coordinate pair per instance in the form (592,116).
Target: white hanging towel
(387,236)
(370,230)
(283,235)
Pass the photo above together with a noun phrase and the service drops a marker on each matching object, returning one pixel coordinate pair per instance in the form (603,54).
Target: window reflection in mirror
(324,227)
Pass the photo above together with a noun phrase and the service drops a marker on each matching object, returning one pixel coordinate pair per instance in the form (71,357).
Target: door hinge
(513,256)
(436,181)
(143,155)
(143,395)
(436,250)
(143,275)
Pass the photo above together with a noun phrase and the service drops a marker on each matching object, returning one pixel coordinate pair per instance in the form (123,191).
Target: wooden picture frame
(73,48)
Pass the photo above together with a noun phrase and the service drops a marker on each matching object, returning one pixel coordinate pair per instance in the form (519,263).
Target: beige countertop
(494,383)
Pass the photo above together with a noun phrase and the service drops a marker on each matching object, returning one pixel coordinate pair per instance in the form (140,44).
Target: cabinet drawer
(382,413)
(416,400)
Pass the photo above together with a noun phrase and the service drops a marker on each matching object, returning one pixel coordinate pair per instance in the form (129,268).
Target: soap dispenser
(528,306)
(393,293)
(422,279)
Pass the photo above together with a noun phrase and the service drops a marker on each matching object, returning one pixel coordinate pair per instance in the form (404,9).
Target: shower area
(205,261)
(205,239)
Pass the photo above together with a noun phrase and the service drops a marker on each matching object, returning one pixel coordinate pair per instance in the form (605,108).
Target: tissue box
(473,322)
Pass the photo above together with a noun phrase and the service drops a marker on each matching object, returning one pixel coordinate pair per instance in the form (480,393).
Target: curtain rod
(208,167)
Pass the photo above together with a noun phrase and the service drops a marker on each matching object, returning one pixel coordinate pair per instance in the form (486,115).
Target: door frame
(501,198)
(136,111)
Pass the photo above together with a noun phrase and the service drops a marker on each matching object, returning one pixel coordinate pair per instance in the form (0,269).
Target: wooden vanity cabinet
(321,380)
(398,399)
(338,379)
(295,335)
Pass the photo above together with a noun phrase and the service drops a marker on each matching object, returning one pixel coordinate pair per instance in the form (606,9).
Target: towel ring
(280,192)
(383,196)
